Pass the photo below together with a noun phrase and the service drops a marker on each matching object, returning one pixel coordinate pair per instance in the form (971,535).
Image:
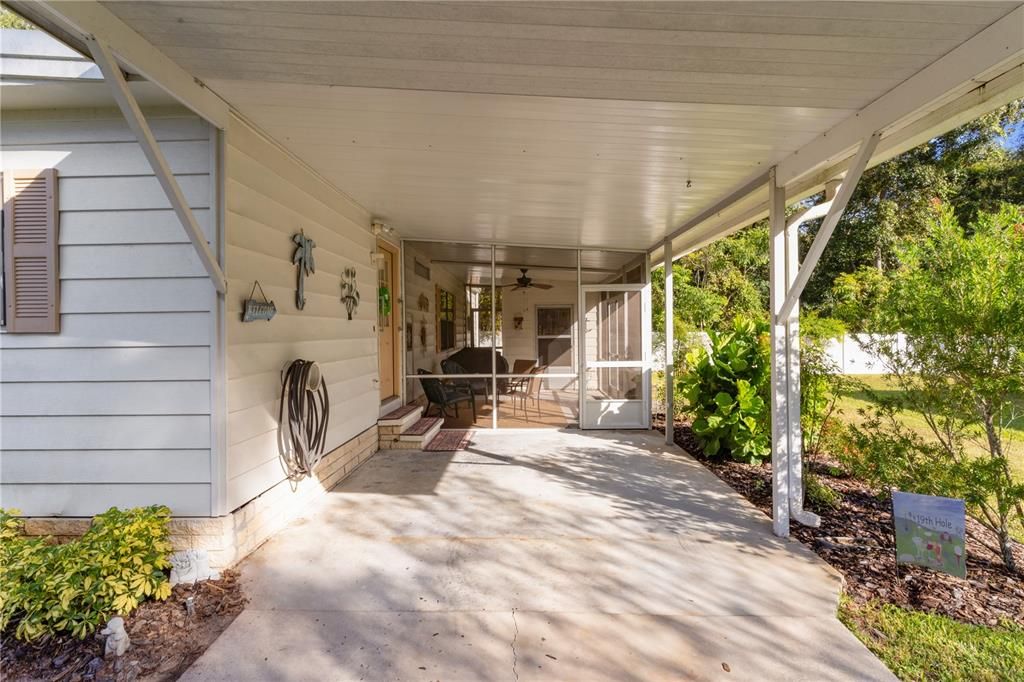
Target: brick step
(420,433)
(400,420)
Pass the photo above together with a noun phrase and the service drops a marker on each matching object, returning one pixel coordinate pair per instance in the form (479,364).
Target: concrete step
(420,433)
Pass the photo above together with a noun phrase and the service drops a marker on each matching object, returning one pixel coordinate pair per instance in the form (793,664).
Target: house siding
(269,198)
(116,409)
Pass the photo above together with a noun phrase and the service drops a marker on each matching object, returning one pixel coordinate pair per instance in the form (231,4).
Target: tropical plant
(726,389)
(74,587)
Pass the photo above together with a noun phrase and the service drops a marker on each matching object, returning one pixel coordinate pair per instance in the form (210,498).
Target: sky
(1015,140)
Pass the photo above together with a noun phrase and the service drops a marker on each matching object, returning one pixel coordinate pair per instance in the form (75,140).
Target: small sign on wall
(930,532)
(254,309)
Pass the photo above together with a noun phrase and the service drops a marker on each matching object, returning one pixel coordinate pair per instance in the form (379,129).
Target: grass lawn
(852,401)
(923,646)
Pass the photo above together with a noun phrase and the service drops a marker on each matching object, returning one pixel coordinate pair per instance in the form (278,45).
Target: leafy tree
(970,168)
(959,298)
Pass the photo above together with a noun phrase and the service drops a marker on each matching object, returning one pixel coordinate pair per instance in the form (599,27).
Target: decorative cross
(349,291)
(304,259)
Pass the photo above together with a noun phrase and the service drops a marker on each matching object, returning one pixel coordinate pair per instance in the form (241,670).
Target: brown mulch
(856,537)
(165,640)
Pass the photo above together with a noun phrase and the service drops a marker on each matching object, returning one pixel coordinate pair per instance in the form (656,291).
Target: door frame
(397,323)
(644,363)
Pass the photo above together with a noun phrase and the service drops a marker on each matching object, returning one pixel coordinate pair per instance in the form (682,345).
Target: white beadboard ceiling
(568,123)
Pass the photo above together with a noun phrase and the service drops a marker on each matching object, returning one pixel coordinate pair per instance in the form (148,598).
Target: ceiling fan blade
(538,285)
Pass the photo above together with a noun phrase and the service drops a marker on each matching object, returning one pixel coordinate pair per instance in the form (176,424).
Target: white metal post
(794,430)
(779,372)
(669,347)
(494,347)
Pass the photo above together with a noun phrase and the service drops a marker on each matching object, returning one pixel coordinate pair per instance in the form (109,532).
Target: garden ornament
(190,566)
(117,638)
(303,257)
(349,291)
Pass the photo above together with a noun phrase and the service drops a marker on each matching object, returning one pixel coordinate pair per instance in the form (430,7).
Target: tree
(959,298)
(972,168)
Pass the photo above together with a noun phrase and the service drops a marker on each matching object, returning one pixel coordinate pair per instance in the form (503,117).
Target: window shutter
(31,285)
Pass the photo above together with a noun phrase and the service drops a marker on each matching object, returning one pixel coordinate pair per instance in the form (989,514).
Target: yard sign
(930,532)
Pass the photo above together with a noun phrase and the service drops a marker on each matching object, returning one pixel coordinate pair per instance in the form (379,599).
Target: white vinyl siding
(270,197)
(116,408)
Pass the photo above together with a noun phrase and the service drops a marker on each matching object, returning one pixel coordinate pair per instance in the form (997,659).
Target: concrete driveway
(537,555)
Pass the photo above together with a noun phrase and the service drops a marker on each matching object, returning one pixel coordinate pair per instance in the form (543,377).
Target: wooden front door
(387,330)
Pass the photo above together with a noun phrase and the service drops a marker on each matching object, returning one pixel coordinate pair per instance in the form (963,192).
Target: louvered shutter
(31,284)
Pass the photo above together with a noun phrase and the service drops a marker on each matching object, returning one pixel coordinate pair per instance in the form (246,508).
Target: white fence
(847,354)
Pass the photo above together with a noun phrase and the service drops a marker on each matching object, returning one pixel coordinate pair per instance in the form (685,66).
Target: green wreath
(384,300)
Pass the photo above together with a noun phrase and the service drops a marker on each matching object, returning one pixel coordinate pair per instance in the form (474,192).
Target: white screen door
(615,376)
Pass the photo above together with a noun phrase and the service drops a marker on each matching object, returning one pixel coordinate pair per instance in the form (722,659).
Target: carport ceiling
(567,123)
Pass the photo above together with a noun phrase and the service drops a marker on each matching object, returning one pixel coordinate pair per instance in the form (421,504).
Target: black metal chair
(450,366)
(445,396)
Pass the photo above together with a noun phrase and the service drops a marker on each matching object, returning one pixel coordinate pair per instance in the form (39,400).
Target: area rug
(450,440)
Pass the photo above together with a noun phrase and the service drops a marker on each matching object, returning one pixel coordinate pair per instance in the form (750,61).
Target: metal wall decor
(349,291)
(253,309)
(303,258)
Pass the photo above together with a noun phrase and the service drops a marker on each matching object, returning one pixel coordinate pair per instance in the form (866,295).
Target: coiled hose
(304,397)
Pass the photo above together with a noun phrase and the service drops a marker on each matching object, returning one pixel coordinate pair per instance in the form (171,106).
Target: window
(445,320)
(478,316)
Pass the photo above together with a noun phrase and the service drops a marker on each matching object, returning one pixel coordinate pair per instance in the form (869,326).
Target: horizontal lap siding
(116,409)
(269,199)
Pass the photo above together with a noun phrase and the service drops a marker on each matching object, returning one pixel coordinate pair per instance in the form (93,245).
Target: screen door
(615,374)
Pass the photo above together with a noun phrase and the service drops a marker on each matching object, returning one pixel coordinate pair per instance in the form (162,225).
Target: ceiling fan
(525,282)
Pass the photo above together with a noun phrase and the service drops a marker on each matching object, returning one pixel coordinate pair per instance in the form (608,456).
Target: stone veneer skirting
(228,539)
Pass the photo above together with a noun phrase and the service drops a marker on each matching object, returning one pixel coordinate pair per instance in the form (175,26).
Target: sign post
(930,531)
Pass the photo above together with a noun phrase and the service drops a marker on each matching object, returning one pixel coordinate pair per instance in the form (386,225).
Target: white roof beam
(137,122)
(76,21)
(835,211)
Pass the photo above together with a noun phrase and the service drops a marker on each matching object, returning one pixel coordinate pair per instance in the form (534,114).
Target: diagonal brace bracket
(137,122)
(828,226)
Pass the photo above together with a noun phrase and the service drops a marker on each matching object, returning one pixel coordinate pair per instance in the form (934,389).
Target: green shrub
(726,390)
(74,587)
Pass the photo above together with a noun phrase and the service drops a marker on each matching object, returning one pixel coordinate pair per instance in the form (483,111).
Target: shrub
(726,389)
(820,494)
(959,298)
(821,381)
(74,587)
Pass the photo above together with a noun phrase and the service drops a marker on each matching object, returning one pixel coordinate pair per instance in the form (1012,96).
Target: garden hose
(304,396)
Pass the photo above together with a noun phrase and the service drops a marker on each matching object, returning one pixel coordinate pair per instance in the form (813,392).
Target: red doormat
(450,440)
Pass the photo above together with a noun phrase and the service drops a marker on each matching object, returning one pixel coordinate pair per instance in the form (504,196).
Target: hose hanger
(304,397)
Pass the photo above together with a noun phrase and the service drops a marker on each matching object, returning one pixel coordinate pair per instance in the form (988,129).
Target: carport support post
(669,348)
(780,389)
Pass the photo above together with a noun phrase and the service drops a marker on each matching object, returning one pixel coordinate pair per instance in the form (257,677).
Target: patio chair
(450,366)
(529,389)
(520,367)
(445,396)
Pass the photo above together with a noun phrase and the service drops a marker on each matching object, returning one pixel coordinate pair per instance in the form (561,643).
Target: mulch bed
(856,538)
(165,640)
